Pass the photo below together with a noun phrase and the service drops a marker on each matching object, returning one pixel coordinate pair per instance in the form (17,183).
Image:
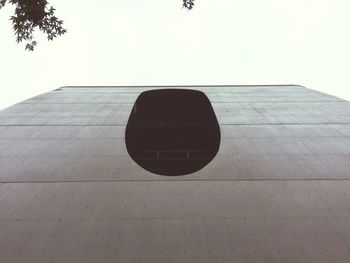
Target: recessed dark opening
(172,131)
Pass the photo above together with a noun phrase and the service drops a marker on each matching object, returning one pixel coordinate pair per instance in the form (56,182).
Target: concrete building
(278,190)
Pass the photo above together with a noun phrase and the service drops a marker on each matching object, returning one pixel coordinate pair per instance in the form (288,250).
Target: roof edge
(171,86)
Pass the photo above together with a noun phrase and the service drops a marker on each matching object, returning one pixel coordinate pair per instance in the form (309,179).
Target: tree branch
(32,14)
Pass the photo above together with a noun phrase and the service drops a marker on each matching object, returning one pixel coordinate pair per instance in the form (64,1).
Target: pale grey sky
(146,42)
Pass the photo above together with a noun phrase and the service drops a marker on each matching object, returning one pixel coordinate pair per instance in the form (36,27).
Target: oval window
(172,131)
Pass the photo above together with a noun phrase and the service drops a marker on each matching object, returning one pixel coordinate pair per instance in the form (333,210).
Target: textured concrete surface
(278,190)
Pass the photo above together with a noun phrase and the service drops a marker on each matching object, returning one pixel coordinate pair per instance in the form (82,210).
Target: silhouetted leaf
(188,4)
(32,14)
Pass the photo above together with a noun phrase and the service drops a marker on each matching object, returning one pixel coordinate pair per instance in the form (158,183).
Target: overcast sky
(156,42)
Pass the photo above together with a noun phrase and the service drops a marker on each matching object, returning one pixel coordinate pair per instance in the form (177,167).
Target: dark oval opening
(172,131)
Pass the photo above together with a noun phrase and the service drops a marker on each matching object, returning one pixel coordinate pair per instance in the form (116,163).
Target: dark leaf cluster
(32,14)
(188,4)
